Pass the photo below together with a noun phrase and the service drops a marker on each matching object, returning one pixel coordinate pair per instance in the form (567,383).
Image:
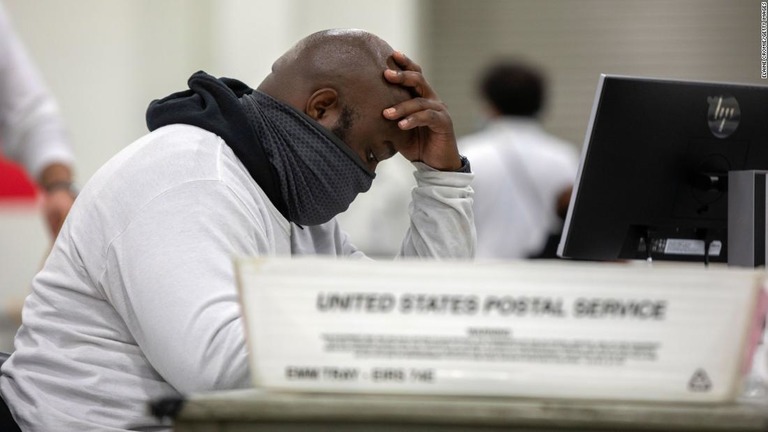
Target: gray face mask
(319,175)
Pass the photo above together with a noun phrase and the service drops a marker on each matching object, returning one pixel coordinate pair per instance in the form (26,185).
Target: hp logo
(723,115)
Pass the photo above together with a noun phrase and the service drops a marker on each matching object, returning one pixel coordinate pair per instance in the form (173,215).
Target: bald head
(336,77)
(327,59)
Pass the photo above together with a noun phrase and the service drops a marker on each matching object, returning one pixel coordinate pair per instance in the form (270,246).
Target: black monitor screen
(653,176)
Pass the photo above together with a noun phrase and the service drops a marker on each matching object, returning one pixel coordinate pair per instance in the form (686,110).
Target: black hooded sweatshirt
(213,104)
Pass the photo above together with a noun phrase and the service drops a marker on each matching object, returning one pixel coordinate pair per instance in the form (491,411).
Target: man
(138,301)
(523,175)
(31,130)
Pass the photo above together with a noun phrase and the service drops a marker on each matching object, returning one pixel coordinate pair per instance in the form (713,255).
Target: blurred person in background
(523,175)
(31,130)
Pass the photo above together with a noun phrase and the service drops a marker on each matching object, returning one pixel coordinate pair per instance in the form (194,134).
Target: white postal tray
(526,329)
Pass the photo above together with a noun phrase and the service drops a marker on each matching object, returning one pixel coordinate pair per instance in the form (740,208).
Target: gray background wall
(576,40)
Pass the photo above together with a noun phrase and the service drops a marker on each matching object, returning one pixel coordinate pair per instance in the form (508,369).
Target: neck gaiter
(319,176)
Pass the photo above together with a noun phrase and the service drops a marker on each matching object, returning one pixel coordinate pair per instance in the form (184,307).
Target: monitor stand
(747,203)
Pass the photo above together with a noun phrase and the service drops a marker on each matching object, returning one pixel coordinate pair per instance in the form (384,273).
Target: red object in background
(14,182)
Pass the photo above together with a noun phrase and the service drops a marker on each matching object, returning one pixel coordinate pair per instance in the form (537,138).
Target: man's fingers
(404,62)
(434,141)
(411,106)
(422,118)
(411,79)
(437,121)
(419,112)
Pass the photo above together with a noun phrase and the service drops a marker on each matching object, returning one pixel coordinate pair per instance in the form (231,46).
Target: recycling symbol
(700,381)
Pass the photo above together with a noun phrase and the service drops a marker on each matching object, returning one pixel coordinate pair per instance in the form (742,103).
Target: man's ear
(323,106)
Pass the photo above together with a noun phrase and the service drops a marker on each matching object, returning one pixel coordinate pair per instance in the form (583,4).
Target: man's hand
(434,141)
(58,196)
(56,205)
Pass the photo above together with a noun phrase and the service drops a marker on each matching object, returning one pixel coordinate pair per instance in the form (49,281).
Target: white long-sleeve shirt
(138,301)
(31,129)
(519,172)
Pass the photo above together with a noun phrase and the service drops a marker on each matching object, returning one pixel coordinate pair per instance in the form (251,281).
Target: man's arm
(442,222)
(171,279)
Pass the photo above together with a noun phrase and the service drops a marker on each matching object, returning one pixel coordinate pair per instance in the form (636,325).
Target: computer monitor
(653,176)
